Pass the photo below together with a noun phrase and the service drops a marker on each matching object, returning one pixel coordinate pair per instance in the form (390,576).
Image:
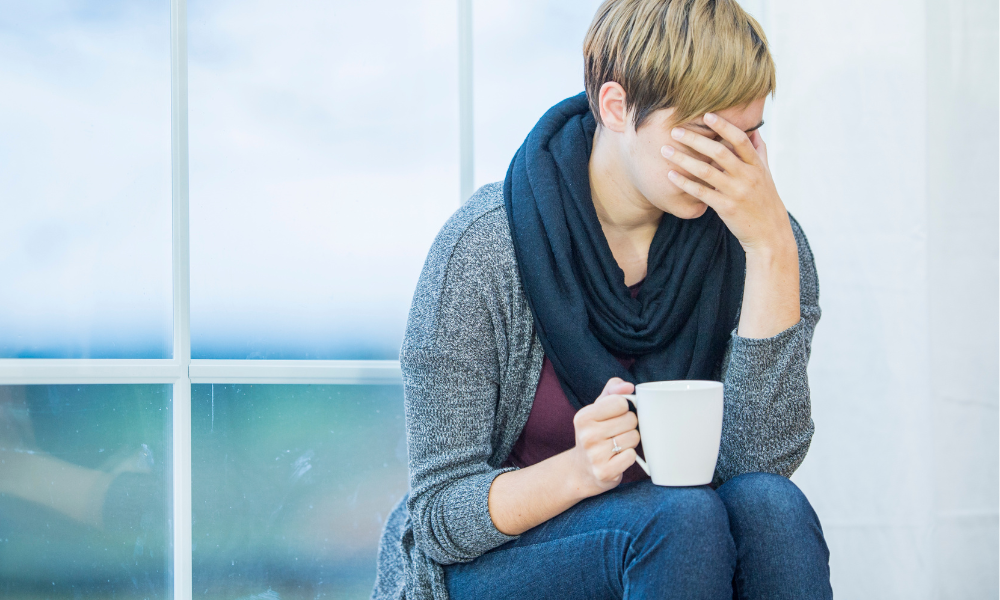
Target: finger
(603,450)
(608,428)
(734,135)
(627,440)
(617,385)
(599,441)
(699,191)
(622,461)
(606,407)
(709,148)
(759,145)
(707,173)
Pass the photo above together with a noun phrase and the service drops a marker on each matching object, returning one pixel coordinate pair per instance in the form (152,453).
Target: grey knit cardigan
(471,362)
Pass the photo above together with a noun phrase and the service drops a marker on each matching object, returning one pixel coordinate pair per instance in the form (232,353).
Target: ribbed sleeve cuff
(739,343)
(481,533)
(757,366)
(766,425)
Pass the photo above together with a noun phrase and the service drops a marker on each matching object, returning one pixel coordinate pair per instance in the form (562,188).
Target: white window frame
(180,371)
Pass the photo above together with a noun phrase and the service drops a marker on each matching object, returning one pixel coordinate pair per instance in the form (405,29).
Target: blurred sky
(323,160)
(84,179)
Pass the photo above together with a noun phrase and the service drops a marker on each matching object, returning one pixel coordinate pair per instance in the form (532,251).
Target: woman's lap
(642,540)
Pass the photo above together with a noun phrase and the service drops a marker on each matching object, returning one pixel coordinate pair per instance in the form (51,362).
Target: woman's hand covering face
(740,188)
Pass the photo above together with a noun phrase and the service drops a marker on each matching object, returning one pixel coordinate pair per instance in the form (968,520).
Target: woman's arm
(522,499)
(451,388)
(771,289)
(767,424)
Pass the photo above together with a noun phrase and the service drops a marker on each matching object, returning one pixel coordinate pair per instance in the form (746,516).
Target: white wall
(883,140)
(962,153)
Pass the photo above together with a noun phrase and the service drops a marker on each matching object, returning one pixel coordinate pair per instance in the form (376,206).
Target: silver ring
(616,449)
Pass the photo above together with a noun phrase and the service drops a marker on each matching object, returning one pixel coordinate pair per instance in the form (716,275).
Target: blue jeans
(755,537)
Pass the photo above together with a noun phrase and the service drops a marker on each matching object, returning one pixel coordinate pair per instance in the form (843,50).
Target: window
(324,159)
(85,491)
(215,217)
(291,485)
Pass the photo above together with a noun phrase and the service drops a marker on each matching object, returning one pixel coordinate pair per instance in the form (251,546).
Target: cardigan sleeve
(451,386)
(767,422)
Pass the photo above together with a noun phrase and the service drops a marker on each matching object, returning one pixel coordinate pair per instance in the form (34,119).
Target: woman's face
(647,168)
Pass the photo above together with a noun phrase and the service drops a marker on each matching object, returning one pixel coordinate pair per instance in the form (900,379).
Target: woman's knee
(682,512)
(779,537)
(766,499)
(681,541)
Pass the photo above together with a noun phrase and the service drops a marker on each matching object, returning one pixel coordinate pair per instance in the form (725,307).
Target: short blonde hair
(695,56)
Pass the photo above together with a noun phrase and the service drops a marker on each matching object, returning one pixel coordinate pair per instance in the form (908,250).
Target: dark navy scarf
(678,325)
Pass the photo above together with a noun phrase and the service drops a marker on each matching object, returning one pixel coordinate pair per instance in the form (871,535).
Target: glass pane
(291,486)
(324,159)
(84,491)
(528,56)
(85,174)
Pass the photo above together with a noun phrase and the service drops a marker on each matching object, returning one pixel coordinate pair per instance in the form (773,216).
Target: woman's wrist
(776,259)
(525,498)
(779,247)
(771,289)
(577,485)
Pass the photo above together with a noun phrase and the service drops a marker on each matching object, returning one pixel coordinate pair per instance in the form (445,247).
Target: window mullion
(88,371)
(182,560)
(465,101)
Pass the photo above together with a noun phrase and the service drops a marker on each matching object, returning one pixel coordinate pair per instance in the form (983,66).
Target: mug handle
(638,459)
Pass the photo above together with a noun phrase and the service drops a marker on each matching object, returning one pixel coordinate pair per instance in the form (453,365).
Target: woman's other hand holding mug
(524,498)
(606,437)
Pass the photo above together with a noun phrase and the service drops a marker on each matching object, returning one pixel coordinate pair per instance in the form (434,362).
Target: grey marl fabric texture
(471,364)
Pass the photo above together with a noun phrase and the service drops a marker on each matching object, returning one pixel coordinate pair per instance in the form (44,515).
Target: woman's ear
(611,101)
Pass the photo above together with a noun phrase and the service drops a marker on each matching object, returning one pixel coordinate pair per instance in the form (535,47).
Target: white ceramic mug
(680,424)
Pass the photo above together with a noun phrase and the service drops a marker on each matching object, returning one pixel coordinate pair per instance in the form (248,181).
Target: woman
(637,237)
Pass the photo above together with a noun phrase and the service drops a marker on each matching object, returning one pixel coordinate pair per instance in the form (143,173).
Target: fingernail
(672,175)
(667,151)
(677,133)
(710,118)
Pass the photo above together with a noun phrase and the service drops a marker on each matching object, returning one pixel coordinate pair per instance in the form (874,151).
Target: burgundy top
(549,429)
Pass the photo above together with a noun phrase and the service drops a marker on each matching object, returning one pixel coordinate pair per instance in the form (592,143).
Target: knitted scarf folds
(678,325)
